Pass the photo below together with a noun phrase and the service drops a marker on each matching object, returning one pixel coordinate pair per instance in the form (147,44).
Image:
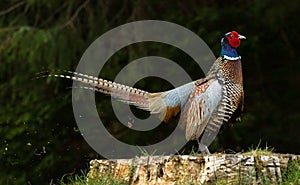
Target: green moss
(292,174)
(81,179)
(260,151)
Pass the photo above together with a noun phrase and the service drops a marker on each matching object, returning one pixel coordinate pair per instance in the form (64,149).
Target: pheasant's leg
(202,148)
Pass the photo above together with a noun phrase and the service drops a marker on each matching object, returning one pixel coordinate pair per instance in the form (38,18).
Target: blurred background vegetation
(39,139)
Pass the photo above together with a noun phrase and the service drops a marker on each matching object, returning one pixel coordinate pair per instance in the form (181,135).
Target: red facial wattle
(233,39)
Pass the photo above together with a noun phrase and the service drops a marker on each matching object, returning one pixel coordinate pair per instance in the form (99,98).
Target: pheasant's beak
(242,37)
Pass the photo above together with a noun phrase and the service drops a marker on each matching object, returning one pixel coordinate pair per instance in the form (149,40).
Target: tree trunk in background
(187,169)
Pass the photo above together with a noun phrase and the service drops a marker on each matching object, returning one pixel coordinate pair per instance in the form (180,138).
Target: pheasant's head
(233,39)
(230,41)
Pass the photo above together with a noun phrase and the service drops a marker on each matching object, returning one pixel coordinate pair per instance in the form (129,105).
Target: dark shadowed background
(39,139)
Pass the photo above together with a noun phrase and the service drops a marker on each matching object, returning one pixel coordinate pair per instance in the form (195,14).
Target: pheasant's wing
(202,104)
(169,103)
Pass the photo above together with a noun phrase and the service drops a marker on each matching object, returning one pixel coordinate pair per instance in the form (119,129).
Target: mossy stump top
(200,169)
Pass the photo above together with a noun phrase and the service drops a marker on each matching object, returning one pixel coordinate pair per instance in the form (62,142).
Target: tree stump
(187,169)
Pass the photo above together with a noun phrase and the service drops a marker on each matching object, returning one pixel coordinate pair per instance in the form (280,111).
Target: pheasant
(205,104)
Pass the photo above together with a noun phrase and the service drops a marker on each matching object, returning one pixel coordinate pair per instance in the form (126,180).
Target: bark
(186,169)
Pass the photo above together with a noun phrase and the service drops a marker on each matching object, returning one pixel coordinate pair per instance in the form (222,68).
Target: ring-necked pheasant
(206,103)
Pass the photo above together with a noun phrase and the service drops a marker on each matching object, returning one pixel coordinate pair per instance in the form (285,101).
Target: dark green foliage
(39,139)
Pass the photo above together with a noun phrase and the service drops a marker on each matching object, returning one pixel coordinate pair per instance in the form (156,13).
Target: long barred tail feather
(122,92)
